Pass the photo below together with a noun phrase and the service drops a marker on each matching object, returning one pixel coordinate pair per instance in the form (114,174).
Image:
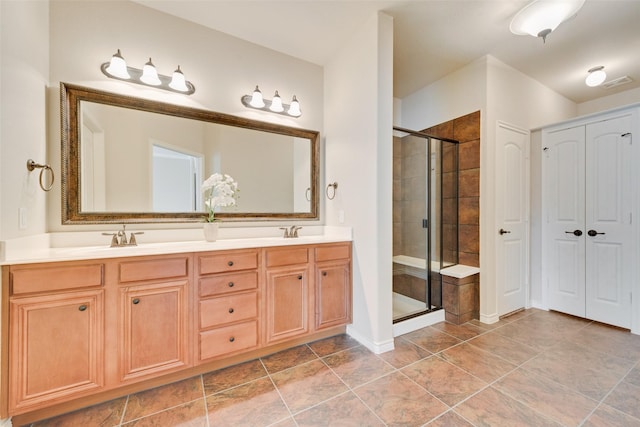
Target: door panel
(512,207)
(609,201)
(563,198)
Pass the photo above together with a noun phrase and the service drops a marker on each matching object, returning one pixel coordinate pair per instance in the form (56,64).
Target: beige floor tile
(606,416)
(332,345)
(190,414)
(463,332)
(307,385)
(444,380)
(357,366)
(432,339)
(625,398)
(484,365)
(104,415)
(450,419)
(161,398)
(252,404)
(515,352)
(288,358)
(232,376)
(398,401)
(344,410)
(404,353)
(492,408)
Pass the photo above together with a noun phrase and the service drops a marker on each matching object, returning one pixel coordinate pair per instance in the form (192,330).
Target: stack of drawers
(227,303)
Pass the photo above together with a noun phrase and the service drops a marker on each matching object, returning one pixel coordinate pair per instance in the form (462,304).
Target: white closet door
(609,206)
(564,205)
(512,218)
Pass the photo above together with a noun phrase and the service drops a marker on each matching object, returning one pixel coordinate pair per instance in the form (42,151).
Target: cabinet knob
(230,263)
(136,300)
(231,311)
(231,284)
(324,273)
(82,307)
(232,339)
(300,277)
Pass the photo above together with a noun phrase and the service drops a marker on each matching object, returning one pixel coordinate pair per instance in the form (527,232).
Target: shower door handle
(503,231)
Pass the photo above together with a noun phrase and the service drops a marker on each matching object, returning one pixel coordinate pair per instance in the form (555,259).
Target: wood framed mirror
(132,160)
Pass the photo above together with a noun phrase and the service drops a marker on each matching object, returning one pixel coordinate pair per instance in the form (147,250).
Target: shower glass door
(424,198)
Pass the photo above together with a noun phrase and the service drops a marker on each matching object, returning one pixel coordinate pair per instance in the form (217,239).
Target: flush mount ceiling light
(117,69)
(541,17)
(596,76)
(255,100)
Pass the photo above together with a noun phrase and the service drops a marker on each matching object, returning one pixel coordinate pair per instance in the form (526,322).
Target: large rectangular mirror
(127,159)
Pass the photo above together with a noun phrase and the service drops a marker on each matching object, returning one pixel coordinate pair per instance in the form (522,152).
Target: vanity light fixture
(541,17)
(117,68)
(596,76)
(255,100)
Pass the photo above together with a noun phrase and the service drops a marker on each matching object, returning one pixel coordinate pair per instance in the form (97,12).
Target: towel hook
(31,165)
(333,185)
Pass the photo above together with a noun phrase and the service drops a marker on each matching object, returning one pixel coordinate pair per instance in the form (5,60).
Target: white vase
(210,231)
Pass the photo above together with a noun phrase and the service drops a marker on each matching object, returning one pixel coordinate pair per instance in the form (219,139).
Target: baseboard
(376,347)
(539,305)
(419,322)
(489,319)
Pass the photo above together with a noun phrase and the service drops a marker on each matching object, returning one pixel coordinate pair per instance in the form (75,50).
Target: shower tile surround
(466,130)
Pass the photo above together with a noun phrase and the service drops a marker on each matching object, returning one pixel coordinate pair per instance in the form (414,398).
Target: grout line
(124,410)
(204,397)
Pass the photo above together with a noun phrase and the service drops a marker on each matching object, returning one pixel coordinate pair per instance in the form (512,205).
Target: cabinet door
(56,348)
(333,294)
(153,335)
(287,298)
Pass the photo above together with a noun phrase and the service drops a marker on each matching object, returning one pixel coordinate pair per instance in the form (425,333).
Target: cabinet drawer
(227,262)
(329,253)
(228,309)
(150,269)
(47,279)
(228,339)
(288,256)
(225,283)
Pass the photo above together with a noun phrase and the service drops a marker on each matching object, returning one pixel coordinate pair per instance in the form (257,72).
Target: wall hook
(331,194)
(31,165)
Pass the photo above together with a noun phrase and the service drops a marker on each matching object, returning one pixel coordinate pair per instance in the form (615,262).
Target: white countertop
(38,248)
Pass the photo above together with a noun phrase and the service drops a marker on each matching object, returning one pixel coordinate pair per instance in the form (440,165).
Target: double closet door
(589,247)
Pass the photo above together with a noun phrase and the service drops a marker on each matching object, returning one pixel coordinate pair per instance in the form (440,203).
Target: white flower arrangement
(219,190)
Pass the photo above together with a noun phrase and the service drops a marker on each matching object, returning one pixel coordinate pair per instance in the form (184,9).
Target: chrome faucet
(291,232)
(119,239)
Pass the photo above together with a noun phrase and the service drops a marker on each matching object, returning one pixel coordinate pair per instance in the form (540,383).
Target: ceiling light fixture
(117,69)
(541,17)
(596,76)
(275,105)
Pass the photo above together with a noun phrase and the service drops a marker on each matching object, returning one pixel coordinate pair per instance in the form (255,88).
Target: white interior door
(609,207)
(512,210)
(563,164)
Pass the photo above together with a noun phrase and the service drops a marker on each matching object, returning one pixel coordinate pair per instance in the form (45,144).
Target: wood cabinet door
(333,294)
(153,336)
(287,297)
(56,348)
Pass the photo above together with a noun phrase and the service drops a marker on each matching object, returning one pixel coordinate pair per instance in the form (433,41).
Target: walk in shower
(425,220)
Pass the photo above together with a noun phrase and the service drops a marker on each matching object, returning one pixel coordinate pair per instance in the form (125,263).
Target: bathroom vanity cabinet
(76,331)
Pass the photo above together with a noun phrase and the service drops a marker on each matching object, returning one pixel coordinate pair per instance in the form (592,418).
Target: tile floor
(534,368)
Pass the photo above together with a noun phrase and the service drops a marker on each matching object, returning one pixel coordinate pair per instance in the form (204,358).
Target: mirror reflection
(130,159)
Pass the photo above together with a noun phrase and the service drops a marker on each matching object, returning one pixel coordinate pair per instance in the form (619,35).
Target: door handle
(575,232)
(593,233)
(503,231)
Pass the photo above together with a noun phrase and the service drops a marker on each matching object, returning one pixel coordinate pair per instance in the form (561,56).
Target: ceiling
(433,38)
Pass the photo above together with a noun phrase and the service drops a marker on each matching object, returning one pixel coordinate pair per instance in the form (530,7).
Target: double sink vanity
(83,325)
(83,322)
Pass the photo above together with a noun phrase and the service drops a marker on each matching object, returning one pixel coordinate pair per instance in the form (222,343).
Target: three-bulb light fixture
(274,105)
(117,68)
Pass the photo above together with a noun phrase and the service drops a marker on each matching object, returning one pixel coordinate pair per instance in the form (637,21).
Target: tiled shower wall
(466,130)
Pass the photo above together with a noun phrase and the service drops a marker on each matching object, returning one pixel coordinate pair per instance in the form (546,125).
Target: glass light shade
(276,104)
(596,77)
(118,66)
(541,17)
(256,99)
(294,108)
(178,81)
(150,74)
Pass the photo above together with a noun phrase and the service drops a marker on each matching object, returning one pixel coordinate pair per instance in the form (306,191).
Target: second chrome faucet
(290,232)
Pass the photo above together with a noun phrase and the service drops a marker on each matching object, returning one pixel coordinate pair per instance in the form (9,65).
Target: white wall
(222,68)
(358,132)
(608,102)
(24,53)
